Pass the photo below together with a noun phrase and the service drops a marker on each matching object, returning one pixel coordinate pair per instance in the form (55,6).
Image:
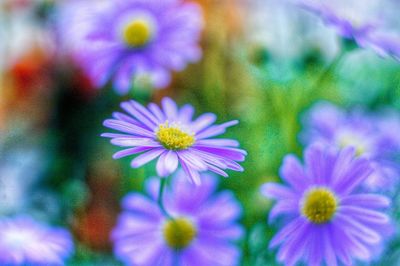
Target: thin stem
(317,85)
(332,66)
(160,197)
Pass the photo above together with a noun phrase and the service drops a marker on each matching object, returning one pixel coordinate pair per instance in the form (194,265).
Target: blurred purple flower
(142,40)
(328,219)
(202,232)
(372,136)
(24,241)
(175,138)
(370,23)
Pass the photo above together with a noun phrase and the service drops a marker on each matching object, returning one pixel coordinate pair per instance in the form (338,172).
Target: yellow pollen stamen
(319,205)
(173,138)
(137,33)
(179,233)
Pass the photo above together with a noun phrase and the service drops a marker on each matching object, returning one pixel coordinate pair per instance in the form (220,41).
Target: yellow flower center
(179,233)
(173,138)
(319,205)
(137,33)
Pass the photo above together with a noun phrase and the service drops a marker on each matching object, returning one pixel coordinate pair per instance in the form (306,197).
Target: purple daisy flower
(143,40)
(171,135)
(328,219)
(24,241)
(202,232)
(368,134)
(369,23)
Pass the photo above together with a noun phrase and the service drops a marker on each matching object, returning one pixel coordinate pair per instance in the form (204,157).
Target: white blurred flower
(287,31)
(20,170)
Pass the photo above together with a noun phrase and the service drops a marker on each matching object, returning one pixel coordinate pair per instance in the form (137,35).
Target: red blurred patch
(31,72)
(94,225)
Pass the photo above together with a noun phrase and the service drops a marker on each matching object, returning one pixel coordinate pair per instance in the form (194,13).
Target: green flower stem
(160,202)
(327,71)
(317,86)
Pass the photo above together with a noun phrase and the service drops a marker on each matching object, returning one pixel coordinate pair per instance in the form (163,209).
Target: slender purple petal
(215,130)
(130,151)
(167,163)
(146,157)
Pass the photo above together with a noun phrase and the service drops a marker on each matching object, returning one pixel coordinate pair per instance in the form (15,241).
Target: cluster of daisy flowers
(188,224)
(335,206)
(331,207)
(333,201)
(372,135)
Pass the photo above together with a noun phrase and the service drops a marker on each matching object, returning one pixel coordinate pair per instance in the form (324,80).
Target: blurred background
(265,62)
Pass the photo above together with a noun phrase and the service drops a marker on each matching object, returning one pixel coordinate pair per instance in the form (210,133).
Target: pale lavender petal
(170,109)
(131,108)
(314,247)
(283,207)
(134,141)
(127,128)
(357,173)
(115,135)
(365,214)
(193,255)
(366,201)
(146,157)
(186,113)
(339,244)
(203,121)
(192,174)
(167,163)
(294,249)
(218,142)
(218,232)
(314,158)
(210,158)
(328,249)
(166,257)
(292,172)
(192,159)
(130,151)
(186,196)
(220,210)
(138,204)
(145,112)
(156,112)
(126,118)
(277,191)
(229,153)
(358,230)
(136,226)
(216,161)
(342,164)
(286,231)
(218,254)
(217,170)
(131,251)
(215,130)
